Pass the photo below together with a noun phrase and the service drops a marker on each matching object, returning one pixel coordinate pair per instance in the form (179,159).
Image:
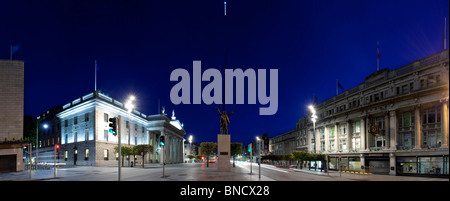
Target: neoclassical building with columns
(81,127)
(396,122)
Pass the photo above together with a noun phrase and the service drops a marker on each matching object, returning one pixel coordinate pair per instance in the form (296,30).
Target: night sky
(137,44)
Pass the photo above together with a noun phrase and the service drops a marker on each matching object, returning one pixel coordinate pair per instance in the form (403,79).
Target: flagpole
(378,56)
(95,69)
(337,90)
(10,53)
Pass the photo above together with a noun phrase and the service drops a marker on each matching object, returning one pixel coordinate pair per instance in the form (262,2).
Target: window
(86,154)
(65,155)
(75,120)
(105,154)
(66,138)
(422,84)
(65,123)
(405,89)
(86,135)
(407,119)
(135,140)
(86,117)
(105,135)
(431,127)
(105,117)
(356,127)
(128,126)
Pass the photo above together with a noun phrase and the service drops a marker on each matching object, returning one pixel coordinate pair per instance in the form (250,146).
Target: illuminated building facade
(82,129)
(396,122)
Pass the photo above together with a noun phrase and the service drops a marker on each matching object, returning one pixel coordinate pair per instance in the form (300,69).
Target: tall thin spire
(445,33)
(225,53)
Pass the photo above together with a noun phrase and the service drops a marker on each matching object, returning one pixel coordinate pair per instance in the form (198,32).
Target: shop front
(345,163)
(377,163)
(430,166)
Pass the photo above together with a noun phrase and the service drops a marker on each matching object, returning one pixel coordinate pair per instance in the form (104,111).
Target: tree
(300,156)
(236,149)
(207,149)
(190,157)
(125,150)
(142,148)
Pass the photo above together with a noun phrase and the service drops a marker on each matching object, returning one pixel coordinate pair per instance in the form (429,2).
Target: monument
(224,143)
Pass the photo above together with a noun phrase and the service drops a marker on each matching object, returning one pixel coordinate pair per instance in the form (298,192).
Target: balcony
(376,148)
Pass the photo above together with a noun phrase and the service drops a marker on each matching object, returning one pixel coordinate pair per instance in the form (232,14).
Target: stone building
(11,115)
(82,129)
(396,122)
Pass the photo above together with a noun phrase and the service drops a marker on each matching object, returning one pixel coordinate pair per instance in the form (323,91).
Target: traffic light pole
(54,164)
(120,150)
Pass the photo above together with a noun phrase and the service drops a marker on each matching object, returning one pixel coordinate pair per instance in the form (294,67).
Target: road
(198,172)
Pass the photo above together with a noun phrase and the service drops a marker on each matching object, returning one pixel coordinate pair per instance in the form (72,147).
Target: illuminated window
(105,154)
(86,154)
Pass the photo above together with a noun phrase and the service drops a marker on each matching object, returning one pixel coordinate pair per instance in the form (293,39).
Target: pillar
(386,131)
(363,134)
(393,130)
(349,135)
(418,129)
(444,122)
(336,138)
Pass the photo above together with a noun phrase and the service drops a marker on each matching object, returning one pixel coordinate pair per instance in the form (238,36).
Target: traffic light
(57,150)
(113,126)
(162,139)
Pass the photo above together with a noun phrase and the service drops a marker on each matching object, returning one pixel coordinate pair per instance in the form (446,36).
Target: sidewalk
(357,176)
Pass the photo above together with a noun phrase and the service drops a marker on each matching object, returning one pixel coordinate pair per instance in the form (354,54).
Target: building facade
(396,122)
(11,115)
(293,140)
(82,129)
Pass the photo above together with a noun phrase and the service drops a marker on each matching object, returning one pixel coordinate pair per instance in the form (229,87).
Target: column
(363,134)
(393,130)
(444,122)
(386,131)
(327,144)
(336,138)
(162,154)
(349,135)
(418,129)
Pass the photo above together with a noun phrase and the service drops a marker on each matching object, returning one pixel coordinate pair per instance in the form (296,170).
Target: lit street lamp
(45,126)
(259,161)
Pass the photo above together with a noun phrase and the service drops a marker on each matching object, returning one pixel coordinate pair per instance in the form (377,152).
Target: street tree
(207,149)
(236,149)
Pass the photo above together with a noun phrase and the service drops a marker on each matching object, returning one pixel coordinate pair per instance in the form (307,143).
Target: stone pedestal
(223,151)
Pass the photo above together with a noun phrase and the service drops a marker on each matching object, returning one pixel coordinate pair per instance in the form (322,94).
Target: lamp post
(259,161)
(129,105)
(190,144)
(45,126)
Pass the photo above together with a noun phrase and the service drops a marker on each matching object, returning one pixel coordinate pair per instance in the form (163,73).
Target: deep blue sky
(138,43)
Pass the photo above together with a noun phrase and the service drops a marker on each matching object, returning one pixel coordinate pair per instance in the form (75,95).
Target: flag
(339,85)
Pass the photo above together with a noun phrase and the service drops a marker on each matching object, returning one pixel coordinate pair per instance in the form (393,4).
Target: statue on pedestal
(224,121)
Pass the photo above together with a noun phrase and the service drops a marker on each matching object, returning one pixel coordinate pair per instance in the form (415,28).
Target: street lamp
(45,126)
(259,147)
(190,144)
(129,106)
(313,119)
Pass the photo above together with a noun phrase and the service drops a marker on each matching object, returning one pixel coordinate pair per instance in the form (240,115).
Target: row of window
(430,81)
(106,119)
